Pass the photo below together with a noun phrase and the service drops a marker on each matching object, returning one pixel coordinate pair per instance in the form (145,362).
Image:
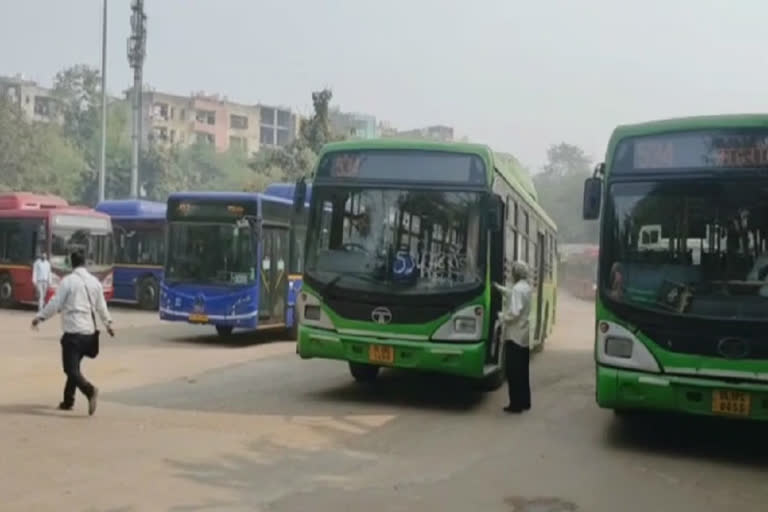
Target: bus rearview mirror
(300,195)
(593,193)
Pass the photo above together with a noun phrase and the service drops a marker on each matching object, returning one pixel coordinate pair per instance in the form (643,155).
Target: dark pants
(73,346)
(517,360)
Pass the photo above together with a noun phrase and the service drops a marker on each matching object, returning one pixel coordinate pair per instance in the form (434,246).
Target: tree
(559,187)
(316,131)
(77,90)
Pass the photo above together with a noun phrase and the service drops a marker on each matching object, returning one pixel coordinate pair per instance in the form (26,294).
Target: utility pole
(137,50)
(103,156)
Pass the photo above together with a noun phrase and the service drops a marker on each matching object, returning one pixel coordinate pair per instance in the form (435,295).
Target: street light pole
(103,156)
(136,53)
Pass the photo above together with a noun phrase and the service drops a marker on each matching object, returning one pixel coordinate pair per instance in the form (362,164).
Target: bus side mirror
(300,195)
(495,214)
(593,193)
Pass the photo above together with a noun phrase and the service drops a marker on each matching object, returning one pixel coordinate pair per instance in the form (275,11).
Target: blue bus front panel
(128,277)
(213,305)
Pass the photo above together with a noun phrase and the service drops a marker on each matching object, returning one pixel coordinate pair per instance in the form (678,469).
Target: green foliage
(560,187)
(78,92)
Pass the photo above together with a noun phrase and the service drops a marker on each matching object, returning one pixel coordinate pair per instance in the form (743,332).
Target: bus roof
(519,179)
(44,213)
(680,124)
(132,209)
(227,196)
(30,201)
(286,190)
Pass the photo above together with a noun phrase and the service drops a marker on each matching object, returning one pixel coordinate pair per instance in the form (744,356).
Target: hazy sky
(516,74)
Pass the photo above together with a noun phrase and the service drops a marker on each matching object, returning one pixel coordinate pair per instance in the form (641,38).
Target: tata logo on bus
(381,315)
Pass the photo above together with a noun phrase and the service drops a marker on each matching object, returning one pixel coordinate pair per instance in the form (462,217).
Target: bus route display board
(212,211)
(693,151)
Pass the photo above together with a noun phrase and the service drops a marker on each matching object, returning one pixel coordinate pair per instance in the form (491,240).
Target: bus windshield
(211,253)
(92,235)
(689,247)
(395,241)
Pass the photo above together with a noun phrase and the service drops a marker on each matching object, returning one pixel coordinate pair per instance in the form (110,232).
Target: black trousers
(73,346)
(517,362)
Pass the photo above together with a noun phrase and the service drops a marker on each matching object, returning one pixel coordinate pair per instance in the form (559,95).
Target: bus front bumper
(631,390)
(466,360)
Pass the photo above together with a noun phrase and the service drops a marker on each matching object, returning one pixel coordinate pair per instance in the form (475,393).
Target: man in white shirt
(79,298)
(41,276)
(516,336)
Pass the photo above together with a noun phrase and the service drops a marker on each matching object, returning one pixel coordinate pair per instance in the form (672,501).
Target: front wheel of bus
(148,296)
(6,291)
(224,330)
(364,373)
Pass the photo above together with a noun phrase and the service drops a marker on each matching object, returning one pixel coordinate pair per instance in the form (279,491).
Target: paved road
(188,424)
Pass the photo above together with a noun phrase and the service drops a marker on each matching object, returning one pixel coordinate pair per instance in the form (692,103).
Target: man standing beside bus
(79,298)
(41,276)
(516,336)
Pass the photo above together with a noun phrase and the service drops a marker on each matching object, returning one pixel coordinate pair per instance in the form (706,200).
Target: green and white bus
(682,308)
(403,242)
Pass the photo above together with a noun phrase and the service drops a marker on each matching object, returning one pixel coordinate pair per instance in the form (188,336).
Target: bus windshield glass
(689,247)
(395,241)
(92,235)
(211,253)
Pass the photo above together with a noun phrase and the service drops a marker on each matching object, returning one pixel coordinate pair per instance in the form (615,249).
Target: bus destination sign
(692,151)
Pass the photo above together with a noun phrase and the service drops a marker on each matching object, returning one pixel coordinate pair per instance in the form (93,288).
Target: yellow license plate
(381,354)
(197,318)
(733,403)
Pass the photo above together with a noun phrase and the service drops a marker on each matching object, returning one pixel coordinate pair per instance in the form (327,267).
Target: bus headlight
(465,324)
(617,346)
(311,313)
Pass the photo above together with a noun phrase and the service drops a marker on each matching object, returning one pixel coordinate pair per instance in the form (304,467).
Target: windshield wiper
(330,284)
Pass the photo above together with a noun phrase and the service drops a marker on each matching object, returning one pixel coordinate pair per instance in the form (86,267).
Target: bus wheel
(148,296)
(224,330)
(363,372)
(6,291)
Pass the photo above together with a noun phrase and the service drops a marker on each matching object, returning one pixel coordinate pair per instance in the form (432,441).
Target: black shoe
(513,410)
(92,401)
(63,406)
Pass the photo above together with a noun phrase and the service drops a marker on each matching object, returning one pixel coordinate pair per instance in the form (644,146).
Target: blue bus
(229,261)
(139,231)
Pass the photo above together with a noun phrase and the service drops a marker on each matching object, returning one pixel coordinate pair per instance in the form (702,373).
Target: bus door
(273,285)
(540,273)
(498,275)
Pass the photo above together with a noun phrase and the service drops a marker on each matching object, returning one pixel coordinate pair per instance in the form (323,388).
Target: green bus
(404,240)
(682,304)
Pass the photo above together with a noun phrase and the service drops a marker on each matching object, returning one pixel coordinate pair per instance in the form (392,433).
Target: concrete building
(435,132)
(172,119)
(36,102)
(353,125)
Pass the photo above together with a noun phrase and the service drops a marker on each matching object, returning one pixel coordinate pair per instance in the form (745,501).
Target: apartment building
(353,125)
(435,132)
(36,102)
(199,118)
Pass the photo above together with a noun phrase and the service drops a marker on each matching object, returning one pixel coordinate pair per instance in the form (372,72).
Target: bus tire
(224,330)
(6,291)
(363,373)
(148,294)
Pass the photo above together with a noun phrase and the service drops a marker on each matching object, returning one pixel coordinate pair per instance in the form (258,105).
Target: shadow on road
(711,439)
(38,410)
(406,389)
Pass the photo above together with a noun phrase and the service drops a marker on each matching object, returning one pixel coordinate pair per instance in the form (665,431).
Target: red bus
(31,224)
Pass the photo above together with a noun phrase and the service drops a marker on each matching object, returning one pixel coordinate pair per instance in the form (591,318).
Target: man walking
(516,335)
(41,276)
(79,299)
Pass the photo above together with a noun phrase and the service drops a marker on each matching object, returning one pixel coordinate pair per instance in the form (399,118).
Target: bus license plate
(381,354)
(197,318)
(734,403)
